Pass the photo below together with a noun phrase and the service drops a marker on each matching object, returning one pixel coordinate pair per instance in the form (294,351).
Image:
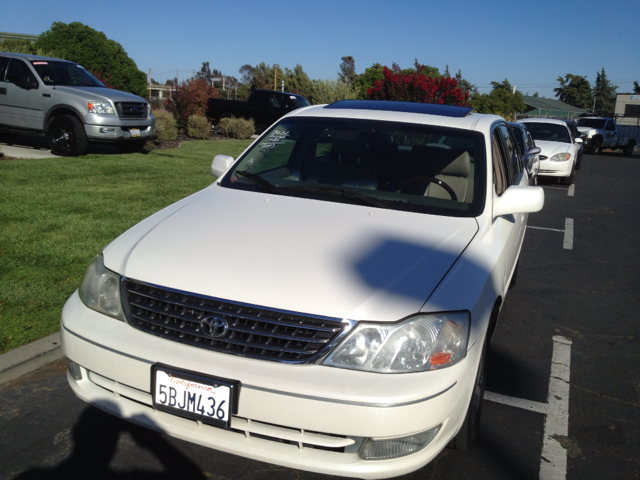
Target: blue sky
(529,43)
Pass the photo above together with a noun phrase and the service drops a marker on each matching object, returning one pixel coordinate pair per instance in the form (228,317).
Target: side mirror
(220,164)
(533,151)
(518,199)
(578,140)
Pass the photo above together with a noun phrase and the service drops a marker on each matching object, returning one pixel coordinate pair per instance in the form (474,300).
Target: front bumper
(110,133)
(555,169)
(308,417)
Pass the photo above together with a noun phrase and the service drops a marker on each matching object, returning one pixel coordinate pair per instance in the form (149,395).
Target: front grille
(132,109)
(251,331)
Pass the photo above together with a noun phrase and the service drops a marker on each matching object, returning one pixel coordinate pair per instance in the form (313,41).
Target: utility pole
(275,72)
(149,79)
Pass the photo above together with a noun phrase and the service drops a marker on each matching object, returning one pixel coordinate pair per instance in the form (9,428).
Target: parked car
(528,150)
(326,304)
(602,132)
(575,133)
(263,106)
(559,150)
(61,100)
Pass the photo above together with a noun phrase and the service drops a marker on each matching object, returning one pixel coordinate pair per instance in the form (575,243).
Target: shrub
(191,98)
(198,127)
(237,127)
(165,125)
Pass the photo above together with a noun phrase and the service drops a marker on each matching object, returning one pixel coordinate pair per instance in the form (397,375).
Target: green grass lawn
(57,214)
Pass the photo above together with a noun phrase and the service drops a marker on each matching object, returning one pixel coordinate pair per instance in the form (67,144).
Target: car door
(508,171)
(21,96)
(610,134)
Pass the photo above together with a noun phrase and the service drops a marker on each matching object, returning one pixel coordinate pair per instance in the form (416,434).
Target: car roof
(543,120)
(30,57)
(409,112)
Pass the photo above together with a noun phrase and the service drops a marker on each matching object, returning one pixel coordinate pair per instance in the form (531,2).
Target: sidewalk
(28,358)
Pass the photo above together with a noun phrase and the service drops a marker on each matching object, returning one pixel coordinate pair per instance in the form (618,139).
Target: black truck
(263,106)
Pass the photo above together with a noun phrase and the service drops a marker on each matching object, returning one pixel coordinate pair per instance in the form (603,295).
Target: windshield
(592,122)
(389,165)
(299,102)
(65,73)
(549,132)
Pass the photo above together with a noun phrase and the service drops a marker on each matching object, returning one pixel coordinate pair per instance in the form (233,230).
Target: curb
(30,357)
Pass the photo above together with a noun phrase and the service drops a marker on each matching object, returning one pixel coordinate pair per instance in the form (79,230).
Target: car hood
(295,254)
(586,129)
(99,93)
(549,149)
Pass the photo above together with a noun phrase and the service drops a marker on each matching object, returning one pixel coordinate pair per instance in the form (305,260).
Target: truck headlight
(423,342)
(100,289)
(561,157)
(100,107)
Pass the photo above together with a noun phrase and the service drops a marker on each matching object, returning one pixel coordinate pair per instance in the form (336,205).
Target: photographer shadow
(95,443)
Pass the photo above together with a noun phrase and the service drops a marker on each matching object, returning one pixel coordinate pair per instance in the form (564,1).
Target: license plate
(211,400)
(135,132)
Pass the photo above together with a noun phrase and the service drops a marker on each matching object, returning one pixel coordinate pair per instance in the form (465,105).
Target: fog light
(109,131)
(74,370)
(397,447)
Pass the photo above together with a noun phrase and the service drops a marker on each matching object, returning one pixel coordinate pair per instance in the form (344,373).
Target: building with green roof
(548,108)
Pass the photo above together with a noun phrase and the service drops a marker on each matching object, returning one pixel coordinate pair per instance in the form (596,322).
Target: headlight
(423,342)
(561,157)
(100,290)
(100,107)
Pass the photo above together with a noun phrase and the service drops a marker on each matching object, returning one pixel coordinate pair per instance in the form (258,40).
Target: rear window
(592,122)
(391,165)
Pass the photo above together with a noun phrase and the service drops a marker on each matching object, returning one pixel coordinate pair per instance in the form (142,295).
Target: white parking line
(572,189)
(553,460)
(568,232)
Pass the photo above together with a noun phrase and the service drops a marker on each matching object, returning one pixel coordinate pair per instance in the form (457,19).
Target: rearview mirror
(578,140)
(220,164)
(533,151)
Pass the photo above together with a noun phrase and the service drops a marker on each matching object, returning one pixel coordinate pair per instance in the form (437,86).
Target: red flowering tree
(190,98)
(105,78)
(417,87)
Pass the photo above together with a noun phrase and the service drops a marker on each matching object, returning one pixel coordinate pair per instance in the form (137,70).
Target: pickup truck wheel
(66,136)
(628,149)
(597,147)
(471,425)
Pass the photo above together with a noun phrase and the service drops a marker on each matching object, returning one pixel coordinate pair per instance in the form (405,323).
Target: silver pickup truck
(61,100)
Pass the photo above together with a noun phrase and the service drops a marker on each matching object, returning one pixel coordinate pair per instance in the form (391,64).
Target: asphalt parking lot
(563,372)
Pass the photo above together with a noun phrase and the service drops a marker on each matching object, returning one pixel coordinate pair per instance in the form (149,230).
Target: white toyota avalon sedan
(326,304)
(559,148)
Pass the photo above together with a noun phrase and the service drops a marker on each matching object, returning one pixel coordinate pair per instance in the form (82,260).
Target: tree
(417,87)
(94,51)
(465,85)
(329,91)
(363,82)
(205,73)
(574,90)
(500,101)
(297,81)
(636,88)
(347,69)
(605,95)
(261,76)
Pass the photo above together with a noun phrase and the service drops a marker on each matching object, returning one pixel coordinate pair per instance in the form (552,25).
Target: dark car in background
(528,150)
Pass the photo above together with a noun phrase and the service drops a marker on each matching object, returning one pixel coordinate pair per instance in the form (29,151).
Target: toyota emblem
(214,327)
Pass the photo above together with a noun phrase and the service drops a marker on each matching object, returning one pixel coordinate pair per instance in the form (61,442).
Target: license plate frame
(183,381)
(135,132)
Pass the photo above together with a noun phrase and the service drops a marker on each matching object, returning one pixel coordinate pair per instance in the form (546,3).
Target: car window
(550,132)
(513,154)
(64,73)
(4,61)
(517,133)
(17,69)
(395,165)
(500,164)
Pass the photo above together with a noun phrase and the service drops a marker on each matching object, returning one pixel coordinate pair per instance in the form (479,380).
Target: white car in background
(559,148)
(326,304)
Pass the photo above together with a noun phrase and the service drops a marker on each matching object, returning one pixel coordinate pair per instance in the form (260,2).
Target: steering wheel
(426,178)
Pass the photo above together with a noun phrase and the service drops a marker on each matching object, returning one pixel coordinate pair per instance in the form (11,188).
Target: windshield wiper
(263,182)
(334,191)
